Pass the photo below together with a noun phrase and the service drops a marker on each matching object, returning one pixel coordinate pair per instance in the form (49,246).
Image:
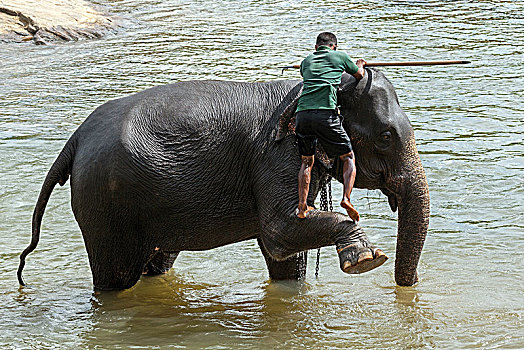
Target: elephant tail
(59,173)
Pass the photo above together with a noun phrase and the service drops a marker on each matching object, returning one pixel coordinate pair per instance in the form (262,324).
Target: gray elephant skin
(195,165)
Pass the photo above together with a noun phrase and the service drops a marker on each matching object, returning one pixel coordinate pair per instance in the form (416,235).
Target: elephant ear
(286,127)
(348,90)
(286,122)
(348,83)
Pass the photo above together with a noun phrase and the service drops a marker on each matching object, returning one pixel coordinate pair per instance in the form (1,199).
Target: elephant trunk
(412,194)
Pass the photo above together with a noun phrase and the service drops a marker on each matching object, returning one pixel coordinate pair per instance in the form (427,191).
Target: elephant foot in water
(358,258)
(355,252)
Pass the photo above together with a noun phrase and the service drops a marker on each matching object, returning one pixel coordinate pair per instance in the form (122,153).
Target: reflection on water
(468,124)
(180,310)
(271,314)
(406,295)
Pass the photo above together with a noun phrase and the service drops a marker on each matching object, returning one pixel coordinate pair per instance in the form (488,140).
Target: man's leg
(304,178)
(349,173)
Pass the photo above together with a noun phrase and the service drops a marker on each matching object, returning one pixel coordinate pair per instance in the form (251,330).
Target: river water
(468,122)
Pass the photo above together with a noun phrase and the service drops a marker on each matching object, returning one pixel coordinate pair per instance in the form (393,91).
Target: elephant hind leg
(160,263)
(292,268)
(117,271)
(116,257)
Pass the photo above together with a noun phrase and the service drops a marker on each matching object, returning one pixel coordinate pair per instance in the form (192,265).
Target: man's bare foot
(302,214)
(352,212)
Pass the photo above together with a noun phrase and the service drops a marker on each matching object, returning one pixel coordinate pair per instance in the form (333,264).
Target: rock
(47,20)
(38,39)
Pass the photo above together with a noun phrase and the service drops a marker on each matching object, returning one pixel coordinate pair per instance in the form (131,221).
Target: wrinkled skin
(195,165)
(387,159)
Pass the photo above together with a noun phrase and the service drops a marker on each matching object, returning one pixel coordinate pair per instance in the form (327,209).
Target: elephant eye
(384,142)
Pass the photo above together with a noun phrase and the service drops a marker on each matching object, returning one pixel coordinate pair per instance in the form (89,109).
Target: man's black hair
(326,39)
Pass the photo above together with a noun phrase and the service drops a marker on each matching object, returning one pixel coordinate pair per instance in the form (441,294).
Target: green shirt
(322,71)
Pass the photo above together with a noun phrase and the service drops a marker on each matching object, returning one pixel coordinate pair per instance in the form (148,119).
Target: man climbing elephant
(316,117)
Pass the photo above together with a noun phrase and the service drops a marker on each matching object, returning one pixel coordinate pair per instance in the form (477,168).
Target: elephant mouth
(392,199)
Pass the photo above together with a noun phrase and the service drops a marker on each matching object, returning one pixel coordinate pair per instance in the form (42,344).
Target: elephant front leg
(319,229)
(356,253)
(292,268)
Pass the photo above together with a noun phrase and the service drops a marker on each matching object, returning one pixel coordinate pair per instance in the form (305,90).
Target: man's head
(326,39)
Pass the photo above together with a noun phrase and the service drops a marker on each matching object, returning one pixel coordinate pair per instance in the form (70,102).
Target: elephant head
(387,159)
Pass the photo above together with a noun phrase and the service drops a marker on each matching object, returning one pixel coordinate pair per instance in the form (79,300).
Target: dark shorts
(325,126)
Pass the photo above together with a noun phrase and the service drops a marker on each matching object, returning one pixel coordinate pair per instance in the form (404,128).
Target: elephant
(196,165)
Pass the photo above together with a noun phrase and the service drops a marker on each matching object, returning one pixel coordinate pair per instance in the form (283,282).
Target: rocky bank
(40,21)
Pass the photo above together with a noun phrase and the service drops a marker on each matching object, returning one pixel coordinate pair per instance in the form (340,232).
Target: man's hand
(361,71)
(361,63)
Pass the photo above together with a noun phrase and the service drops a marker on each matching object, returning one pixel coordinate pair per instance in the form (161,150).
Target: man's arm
(357,70)
(361,71)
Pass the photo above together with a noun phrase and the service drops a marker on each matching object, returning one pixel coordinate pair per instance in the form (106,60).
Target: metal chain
(318,263)
(324,197)
(325,205)
(330,196)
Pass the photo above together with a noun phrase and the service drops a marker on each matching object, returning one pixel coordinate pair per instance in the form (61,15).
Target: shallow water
(468,122)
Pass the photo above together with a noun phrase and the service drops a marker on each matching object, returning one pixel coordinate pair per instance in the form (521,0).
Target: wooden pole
(396,64)
(413,63)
